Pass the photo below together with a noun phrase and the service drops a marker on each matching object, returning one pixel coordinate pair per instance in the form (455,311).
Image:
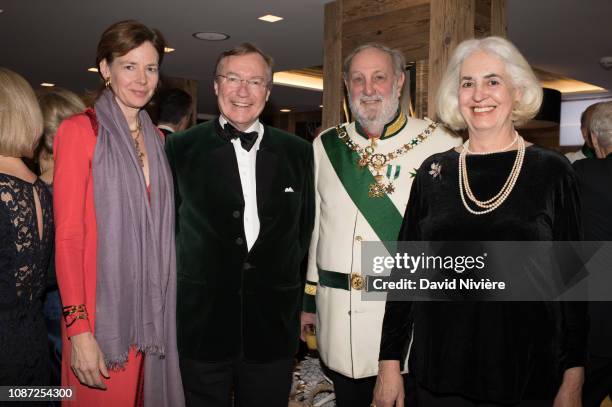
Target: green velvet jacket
(233,303)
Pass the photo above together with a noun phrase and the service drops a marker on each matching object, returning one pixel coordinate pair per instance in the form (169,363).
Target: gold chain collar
(376,161)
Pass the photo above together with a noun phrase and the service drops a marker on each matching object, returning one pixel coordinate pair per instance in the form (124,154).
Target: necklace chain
(493,203)
(376,161)
(135,134)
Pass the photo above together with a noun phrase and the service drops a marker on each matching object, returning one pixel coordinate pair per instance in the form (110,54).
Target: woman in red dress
(114,216)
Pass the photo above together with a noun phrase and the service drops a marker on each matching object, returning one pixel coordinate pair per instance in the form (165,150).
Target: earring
(107,82)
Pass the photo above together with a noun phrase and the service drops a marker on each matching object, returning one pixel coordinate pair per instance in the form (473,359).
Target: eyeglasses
(234,82)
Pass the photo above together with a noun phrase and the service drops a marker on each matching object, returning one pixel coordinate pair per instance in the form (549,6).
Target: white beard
(374,122)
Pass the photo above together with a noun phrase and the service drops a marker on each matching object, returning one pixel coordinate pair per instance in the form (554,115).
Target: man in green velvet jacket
(244,216)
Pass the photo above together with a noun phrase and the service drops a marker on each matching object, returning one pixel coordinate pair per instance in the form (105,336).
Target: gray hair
(520,74)
(399,62)
(585,117)
(601,124)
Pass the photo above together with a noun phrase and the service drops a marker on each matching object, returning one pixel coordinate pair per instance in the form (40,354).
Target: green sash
(380,213)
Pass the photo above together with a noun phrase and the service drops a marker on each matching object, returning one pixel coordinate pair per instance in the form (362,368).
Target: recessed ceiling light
(285,110)
(321,106)
(211,36)
(270,18)
(47,84)
(1,10)
(168,50)
(92,69)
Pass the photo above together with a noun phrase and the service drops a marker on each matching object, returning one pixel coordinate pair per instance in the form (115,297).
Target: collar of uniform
(390,129)
(587,151)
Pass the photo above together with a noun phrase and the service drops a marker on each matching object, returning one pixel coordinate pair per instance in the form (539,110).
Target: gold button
(358,238)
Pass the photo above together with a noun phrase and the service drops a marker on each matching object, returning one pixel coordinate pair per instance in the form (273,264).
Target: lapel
(265,168)
(224,159)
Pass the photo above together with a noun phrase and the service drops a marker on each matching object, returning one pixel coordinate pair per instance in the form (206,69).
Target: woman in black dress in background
(496,187)
(26,238)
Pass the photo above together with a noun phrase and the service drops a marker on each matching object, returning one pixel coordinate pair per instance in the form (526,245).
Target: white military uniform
(349,329)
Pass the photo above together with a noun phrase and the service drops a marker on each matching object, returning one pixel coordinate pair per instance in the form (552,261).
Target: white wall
(569,132)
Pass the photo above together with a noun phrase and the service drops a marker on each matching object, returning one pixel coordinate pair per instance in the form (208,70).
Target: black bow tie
(229,132)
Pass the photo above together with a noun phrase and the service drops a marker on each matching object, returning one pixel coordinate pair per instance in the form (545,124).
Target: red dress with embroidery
(75,259)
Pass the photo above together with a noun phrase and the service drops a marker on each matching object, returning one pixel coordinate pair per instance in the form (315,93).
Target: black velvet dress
(497,352)
(24,257)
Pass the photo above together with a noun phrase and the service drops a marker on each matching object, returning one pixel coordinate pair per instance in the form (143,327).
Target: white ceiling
(55,40)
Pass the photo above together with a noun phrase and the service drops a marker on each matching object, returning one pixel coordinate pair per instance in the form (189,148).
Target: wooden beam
(420,108)
(358,9)
(333,91)
(452,21)
(499,25)
(406,29)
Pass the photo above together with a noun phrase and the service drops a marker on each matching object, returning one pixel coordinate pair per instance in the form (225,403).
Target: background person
(595,176)
(496,187)
(174,110)
(26,238)
(56,105)
(585,129)
(115,235)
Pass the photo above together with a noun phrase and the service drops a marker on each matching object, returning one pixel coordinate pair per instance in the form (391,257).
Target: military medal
(377,161)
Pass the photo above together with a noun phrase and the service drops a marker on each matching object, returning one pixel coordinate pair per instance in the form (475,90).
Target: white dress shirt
(246,169)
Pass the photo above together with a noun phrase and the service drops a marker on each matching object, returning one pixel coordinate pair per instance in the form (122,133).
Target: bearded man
(363,173)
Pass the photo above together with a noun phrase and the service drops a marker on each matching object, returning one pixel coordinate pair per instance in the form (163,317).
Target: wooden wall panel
(406,29)
(452,21)
(333,91)
(358,9)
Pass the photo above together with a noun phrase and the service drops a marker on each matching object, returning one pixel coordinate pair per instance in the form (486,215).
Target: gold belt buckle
(356,281)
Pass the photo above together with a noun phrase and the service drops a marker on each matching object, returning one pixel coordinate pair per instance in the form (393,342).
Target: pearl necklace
(493,203)
(466,146)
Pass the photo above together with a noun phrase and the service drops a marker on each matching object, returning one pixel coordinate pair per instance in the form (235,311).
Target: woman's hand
(87,360)
(389,389)
(570,392)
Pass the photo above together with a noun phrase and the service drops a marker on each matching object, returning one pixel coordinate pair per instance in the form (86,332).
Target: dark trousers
(359,392)
(210,384)
(598,383)
(425,398)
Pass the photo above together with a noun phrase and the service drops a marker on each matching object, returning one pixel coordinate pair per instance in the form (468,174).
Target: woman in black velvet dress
(26,239)
(495,187)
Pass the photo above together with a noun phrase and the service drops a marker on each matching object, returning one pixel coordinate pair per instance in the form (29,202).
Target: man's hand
(307,318)
(389,389)
(87,360)
(570,392)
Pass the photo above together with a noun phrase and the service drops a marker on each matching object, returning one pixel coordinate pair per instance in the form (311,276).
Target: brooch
(435,171)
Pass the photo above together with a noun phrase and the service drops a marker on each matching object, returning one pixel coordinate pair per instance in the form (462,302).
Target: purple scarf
(136,267)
